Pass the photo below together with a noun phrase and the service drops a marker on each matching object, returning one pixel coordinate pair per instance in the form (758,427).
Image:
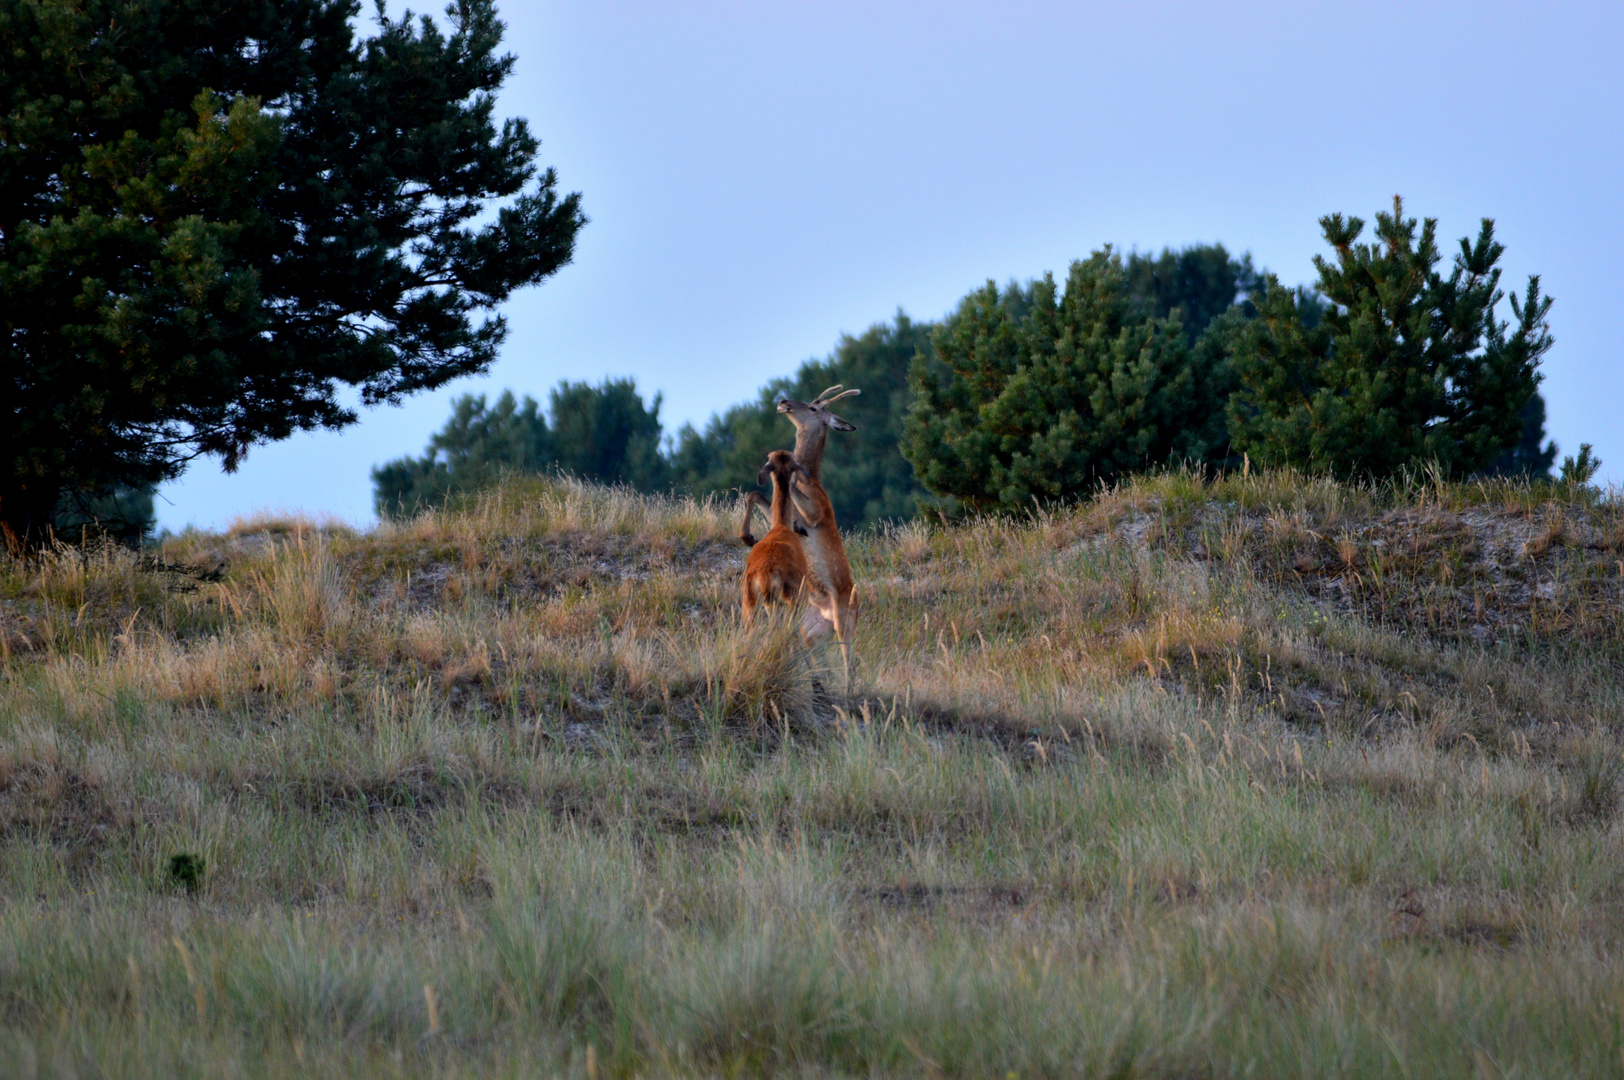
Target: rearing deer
(833,593)
(775,573)
(812,420)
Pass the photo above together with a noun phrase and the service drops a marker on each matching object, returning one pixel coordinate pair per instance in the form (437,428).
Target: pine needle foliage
(604,433)
(1038,395)
(220,223)
(1406,368)
(1533,454)
(1200,282)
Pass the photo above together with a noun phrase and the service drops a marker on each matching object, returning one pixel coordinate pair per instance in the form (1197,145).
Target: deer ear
(841,425)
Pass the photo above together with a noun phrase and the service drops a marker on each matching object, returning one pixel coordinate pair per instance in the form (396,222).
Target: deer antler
(823,400)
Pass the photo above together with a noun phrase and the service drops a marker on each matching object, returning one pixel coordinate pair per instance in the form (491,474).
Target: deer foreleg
(751,501)
(810,513)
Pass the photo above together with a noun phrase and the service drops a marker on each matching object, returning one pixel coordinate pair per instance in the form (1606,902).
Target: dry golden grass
(1270,776)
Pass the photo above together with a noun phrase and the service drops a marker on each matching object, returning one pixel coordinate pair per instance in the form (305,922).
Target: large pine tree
(217,215)
(1406,367)
(1035,395)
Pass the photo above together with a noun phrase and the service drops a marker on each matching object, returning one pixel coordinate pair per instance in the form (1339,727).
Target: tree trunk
(26,514)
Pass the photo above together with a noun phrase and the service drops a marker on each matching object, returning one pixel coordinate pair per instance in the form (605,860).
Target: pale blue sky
(761,178)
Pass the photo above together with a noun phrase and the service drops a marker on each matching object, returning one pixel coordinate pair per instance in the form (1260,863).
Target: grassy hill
(1266,777)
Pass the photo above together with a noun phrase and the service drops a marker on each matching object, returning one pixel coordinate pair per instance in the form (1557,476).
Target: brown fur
(756,499)
(812,420)
(775,573)
(832,591)
(752,500)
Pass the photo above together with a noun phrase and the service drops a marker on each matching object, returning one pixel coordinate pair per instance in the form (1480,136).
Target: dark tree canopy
(1038,395)
(217,215)
(868,479)
(1405,368)
(603,433)
(474,449)
(1199,282)
(606,433)
(122,514)
(1533,455)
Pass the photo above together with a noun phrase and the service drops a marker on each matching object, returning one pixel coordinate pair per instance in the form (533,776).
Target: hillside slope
(1267,776)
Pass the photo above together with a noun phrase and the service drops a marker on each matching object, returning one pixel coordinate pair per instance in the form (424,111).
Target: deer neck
(781,500)
(809,443)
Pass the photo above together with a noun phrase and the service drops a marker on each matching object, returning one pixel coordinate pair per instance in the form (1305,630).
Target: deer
(812,420)
(832,592)
(776,571)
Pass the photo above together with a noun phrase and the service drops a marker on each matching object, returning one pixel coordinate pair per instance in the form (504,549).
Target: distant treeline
(608,433)
(124,514)
(1024,392)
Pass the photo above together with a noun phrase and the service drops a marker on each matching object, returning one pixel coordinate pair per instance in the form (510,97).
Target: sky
(762,178)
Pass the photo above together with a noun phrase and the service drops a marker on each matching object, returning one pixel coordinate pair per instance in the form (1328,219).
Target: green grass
(1264,777)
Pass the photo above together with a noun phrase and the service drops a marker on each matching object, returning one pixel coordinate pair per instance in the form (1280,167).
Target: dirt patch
(415,793)
(1416,919)
(1484,935)
(64,808)
(997,899)
(1009,733)
(1483,573)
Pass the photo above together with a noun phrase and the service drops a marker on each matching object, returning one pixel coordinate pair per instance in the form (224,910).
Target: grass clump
(1197,779)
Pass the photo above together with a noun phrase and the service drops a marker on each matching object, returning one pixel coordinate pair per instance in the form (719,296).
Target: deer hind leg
(826,618)
(776,593)
(845,622)
(819,621)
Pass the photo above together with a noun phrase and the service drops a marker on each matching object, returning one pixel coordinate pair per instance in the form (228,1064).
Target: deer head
(812,420)
(781,462)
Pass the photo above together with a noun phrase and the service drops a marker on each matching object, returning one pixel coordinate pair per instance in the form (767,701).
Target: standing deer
(833,593)
(775,573)
(812,420)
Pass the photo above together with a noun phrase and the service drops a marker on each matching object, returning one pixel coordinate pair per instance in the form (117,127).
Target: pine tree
(601,433)
(1533,455)
(1406,367)
(1033,396)
(216,216)
(475,448)
(605,433)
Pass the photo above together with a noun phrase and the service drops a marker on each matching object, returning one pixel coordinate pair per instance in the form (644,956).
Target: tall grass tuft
(760,675)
